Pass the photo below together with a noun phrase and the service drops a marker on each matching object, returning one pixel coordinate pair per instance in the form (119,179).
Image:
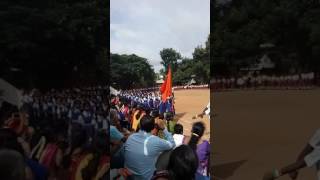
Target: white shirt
(208,109)
(313,159)
(178,139)
(240,81)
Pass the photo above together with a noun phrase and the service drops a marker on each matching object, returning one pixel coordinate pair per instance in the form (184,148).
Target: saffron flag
(166,87)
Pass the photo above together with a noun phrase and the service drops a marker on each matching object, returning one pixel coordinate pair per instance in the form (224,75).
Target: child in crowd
(178,135)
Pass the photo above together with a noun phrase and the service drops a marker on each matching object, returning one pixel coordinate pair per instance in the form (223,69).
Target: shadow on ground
(226,170)
(179,115)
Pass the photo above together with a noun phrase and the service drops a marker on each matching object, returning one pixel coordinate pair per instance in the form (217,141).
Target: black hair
(183,163)
(197,132)
(169,116)
(178,129)
(161,116)
(155,113)
(147,110)
(147,123)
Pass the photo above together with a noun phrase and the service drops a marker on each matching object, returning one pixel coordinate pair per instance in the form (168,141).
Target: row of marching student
(147,142)
(58,134)
(265,81)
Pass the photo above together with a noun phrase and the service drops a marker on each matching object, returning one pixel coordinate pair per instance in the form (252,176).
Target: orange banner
(166,87)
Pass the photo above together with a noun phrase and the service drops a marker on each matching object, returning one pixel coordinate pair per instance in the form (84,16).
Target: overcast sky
(145,27)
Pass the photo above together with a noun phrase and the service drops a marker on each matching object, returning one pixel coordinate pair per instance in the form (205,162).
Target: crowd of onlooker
(264,81)
(85,134)
(148,143)
(58,134)
(86,106)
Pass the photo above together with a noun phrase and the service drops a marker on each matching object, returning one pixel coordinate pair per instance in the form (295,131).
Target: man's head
(154,113)
(147,123)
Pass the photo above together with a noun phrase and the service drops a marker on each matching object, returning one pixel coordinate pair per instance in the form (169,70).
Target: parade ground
(256,131)
(189,103)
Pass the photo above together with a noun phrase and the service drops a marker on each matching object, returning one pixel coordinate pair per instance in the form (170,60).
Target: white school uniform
(313,159)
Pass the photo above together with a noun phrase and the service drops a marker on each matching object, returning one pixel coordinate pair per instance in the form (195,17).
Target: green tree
(170,57)
(131,71)
(242,25)
(46,40)
(198,65)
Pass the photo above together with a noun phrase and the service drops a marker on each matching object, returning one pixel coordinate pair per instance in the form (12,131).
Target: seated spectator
(52,154)
(76,154)
(9,141)
(117,148)
(202,149)
(142,149)
(12,165)
(178,135)
(12,139)
(183,164)
(203,153)
(101,145)
(196,134)
(137,116)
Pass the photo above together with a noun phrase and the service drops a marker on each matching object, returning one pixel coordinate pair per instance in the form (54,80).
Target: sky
(145,27)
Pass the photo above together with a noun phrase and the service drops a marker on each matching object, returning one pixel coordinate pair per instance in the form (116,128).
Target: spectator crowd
(147,142)
(85,134)
(59,134)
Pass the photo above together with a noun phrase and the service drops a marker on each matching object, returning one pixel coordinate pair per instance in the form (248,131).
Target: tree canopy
(241,26)
(131,71)
(198,65)
(170,57)
(54,43)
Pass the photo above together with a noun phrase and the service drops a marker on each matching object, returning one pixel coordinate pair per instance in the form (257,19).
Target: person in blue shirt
(162,107)
(145,102)
(151,103)
(156,103)
(142,149)
(168,106)
(117,148)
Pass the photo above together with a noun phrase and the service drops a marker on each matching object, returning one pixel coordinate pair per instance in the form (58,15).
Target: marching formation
(261,81)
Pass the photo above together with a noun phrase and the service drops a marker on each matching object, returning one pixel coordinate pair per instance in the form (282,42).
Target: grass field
(256,131)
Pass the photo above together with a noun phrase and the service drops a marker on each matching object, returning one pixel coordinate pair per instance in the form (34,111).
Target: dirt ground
(188,103)
(255,131)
